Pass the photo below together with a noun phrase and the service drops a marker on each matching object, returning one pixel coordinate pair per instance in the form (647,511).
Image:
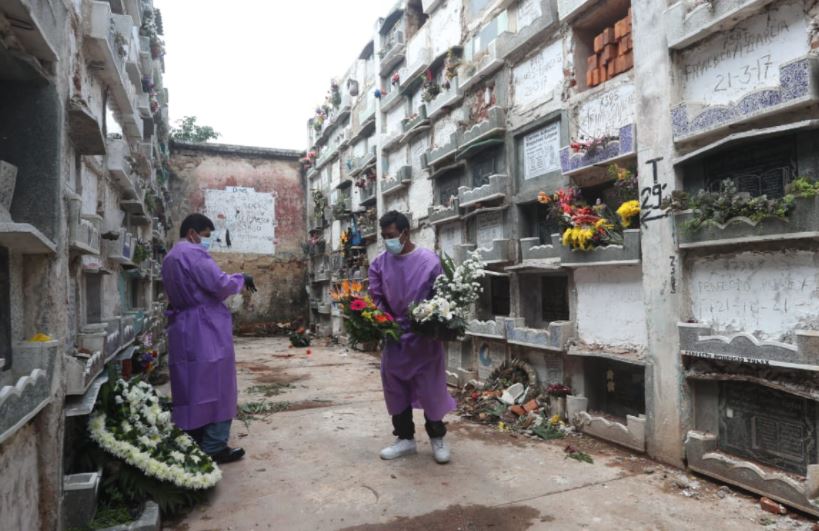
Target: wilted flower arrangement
(365,322)
(131,424)
(444,315)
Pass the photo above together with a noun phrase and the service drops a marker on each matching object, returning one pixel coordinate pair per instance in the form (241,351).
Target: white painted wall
(250,216)
(732,64)
(395,160)
(420,196)
(445,26)
(538,80)
(766,294)
(394,118)
(527,12)
(610,309)
(418,46)
(416,149)
(449,236)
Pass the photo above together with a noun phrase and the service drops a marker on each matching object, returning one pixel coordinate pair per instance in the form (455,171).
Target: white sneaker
(440,450)
(399,448)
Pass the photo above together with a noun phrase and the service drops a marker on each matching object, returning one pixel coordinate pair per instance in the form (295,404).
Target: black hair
(396,218)
(197,222)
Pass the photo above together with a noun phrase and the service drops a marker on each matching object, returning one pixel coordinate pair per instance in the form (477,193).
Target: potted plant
(557,399)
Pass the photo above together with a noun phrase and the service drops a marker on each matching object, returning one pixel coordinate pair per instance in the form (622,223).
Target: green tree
(187,130)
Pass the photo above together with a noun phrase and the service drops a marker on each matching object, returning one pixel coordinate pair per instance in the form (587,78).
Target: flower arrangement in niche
(628,211)
(590,145)
(130,423)
(728,202)
(584,227)
(365,322)
(395,80)
(456,289)
(335,94)
(451,68)
(431,87)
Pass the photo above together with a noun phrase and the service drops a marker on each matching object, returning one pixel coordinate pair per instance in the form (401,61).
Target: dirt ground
(314,424)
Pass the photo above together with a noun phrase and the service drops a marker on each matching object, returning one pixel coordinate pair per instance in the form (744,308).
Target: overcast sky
(255,70)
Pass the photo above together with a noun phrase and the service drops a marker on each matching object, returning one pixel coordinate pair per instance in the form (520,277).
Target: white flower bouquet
(444,316)
(131,424)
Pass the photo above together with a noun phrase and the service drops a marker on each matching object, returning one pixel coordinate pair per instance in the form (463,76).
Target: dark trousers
(405,427)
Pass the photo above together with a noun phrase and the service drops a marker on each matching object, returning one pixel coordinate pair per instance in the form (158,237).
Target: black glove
(249,284)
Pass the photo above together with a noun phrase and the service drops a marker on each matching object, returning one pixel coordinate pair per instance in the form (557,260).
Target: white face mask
(205,243)
(394,246)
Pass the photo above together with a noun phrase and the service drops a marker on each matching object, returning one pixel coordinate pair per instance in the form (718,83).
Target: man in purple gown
(413,372)
(200,339)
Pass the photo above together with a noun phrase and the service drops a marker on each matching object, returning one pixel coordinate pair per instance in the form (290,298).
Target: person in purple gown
(413,371)
(200,339)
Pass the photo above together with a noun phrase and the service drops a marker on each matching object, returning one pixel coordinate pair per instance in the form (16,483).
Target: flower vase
(8,178)
(557,406)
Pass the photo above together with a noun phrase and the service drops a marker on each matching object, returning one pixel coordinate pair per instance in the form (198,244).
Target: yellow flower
(578,238)
(555,420)
(603,223)
(502,426)
(40,338)
(627,211)
(367,315)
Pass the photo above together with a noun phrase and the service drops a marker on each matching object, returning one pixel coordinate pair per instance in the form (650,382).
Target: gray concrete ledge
(701,451)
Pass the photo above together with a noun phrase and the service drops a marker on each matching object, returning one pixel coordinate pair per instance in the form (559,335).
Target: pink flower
(358,305)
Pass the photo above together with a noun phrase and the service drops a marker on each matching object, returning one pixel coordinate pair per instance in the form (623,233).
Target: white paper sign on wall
(541,151)
(248,217)
(732,64)
(537,79)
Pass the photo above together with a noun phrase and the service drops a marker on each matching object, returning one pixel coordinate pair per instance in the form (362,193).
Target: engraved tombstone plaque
(541,151)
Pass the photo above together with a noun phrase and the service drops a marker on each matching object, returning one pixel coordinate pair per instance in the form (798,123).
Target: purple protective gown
(414,371)
(200,336)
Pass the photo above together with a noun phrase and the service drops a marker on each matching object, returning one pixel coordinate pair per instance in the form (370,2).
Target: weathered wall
(610,308)
(19,492)
(256,195)
(766,294)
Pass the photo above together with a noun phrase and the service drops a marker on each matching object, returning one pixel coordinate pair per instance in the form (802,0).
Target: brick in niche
(593,62)
(608,54)
(598,43)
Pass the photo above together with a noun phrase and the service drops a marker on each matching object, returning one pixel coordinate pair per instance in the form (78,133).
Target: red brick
(771,506)
(620,29)
(611,69)
(598,43)
(593,62)
(629,58)
(604,76)
(518,411)
(590,77)
(622,47)
(608,36)
(595,79)
(531,405)
(608,54)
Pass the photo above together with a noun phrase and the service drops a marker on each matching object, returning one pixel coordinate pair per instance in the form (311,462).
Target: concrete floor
(316,467)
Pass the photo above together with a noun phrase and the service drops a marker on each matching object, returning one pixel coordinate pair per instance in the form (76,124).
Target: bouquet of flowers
(131,423)
(584,227)
(444,315)
(364,322)
(558,390)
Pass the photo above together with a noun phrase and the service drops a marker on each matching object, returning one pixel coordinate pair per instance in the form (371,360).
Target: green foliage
(803,187)
(188,130)
(582,457)
(548,432)
(728,203)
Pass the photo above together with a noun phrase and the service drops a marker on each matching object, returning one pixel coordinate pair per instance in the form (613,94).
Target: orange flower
(345,287)
(357,287)
(381,319)
(543,198)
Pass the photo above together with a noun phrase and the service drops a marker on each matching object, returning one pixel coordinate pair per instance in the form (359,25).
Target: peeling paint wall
(260,199)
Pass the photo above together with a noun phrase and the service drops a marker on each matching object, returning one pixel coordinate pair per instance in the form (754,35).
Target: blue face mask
(394,246)
(205,242)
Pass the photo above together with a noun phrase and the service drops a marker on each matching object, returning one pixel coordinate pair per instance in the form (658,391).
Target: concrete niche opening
(596,45)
